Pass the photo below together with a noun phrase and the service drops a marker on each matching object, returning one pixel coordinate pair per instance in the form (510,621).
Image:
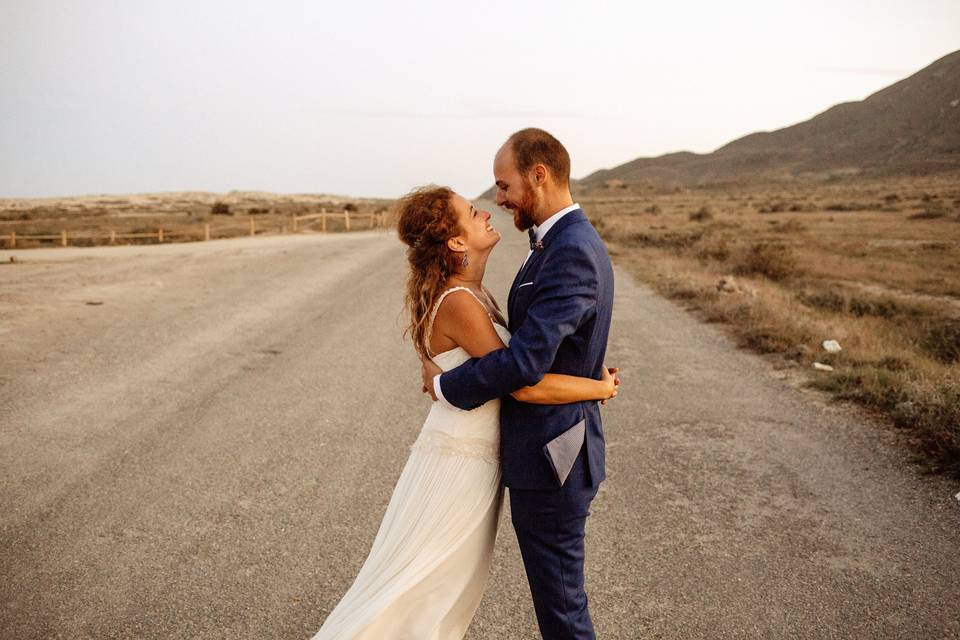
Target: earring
(464,262)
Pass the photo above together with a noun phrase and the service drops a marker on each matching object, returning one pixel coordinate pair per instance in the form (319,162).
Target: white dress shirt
(541,231)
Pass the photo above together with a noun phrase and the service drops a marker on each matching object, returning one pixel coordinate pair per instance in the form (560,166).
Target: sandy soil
(208,451)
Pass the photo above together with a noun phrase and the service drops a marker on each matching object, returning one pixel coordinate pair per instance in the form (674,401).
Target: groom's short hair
(535,146)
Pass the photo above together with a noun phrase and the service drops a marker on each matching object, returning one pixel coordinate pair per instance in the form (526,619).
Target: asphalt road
(208,452)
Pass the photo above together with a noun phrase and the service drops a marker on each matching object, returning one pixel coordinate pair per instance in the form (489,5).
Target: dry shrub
(220,209)
(861,305)
(713,249)
(933,413)
(703,214)
(850,206)
(775,206)
(676,240)
(931,210)
(881,307)
(941,340)
(776,262)
(790,226)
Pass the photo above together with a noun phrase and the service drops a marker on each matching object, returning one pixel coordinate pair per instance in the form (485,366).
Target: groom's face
(514,190)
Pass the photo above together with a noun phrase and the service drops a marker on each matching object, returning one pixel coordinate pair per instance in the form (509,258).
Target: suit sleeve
(565,294)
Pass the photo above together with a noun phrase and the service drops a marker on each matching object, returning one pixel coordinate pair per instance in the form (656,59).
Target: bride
(428,566)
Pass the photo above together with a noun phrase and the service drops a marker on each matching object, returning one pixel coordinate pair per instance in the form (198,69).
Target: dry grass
(181,215)
(872,264)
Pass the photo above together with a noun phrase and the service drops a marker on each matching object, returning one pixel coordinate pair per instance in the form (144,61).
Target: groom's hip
(526,460)
(556,507)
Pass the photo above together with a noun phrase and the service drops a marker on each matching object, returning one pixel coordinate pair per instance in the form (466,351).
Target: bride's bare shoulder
(460,306)
(463,321)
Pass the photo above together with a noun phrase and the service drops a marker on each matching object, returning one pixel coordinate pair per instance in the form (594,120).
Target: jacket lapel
(566,220)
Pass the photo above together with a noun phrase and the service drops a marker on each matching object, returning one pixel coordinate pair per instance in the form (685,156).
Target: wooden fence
(351,221)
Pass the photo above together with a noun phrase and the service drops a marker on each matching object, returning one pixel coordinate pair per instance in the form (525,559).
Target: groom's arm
(565,294)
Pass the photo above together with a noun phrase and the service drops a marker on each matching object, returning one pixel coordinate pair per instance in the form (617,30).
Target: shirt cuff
(439,393)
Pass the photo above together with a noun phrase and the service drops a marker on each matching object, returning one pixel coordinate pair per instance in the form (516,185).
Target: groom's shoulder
(581,234)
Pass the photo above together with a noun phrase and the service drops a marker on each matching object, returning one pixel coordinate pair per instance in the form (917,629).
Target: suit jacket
(559,311)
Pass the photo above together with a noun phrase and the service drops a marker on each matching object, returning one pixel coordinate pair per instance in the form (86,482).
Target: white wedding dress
(429,563)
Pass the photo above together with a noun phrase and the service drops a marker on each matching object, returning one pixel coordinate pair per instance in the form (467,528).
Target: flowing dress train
(429,563)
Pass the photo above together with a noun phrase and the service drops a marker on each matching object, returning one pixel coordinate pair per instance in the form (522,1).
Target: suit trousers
(550,526)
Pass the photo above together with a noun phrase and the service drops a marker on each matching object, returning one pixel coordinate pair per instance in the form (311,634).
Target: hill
(912,126)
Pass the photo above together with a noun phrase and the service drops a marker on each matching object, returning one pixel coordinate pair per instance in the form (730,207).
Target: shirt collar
(549,222)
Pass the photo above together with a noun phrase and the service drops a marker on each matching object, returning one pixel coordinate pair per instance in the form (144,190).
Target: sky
(374,98)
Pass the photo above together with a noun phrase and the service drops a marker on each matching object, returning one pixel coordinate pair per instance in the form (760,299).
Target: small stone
(832,346)
(819,366)
(13,259)
(727,284)
(94,302)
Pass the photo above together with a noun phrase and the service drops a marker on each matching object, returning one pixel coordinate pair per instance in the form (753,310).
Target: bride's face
(478,234)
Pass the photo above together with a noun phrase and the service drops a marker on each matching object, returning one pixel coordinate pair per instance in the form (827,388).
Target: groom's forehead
(504,161)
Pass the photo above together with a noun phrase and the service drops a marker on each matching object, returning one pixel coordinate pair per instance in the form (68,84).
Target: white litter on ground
(832,346)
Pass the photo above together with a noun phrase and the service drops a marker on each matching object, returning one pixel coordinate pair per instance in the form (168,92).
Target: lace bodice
(470,434)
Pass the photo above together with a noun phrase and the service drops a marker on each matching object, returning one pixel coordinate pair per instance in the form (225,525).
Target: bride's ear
(456,244)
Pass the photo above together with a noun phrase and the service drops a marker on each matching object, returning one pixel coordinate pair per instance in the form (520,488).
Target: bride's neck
(471,275)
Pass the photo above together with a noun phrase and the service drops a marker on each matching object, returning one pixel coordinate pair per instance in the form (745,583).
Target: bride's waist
(488,411)
(482,422)
(469,444)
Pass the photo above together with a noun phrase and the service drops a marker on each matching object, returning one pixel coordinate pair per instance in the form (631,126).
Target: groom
(559,317)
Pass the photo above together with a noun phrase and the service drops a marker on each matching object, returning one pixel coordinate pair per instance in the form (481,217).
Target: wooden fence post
(113,236)
(160,235)
(206,230)
(294,222)
(323,219)
(251,226)
(13,239)
(346,219)
(63,237)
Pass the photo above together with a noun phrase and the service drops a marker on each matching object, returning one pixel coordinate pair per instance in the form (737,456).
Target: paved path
(208,453)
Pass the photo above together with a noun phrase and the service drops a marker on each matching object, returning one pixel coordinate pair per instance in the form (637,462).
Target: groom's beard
(523,217)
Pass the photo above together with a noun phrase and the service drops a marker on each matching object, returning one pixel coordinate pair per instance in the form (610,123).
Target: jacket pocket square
(525,284)
(563,450)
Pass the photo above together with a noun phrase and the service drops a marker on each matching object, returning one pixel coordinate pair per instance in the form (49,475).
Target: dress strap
(436,308)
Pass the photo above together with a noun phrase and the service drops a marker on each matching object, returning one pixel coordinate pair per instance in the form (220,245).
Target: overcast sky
(372,98)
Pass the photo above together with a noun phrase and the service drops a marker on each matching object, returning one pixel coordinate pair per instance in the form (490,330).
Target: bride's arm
(464,321)
(556,388)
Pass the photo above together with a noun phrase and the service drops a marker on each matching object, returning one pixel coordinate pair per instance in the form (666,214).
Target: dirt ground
(199,440)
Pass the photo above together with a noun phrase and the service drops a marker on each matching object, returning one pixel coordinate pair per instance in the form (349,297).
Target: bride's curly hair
(425,221)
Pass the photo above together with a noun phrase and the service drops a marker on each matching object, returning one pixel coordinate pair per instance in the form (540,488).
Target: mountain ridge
(910,126)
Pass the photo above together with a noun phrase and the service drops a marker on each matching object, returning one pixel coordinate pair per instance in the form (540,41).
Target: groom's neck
(552,202)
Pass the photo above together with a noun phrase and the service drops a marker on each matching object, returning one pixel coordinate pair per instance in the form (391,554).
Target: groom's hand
(429,369)
(610,377)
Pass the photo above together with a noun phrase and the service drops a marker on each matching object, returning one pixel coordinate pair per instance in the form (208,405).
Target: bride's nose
(486,215)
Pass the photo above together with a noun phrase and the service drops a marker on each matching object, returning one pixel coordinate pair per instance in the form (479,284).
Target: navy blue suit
(559,312)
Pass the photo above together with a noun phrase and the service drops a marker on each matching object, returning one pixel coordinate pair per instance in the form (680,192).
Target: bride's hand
(612,380)
(428,370)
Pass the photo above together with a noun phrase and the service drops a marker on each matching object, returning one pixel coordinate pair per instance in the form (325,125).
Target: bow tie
(535,245)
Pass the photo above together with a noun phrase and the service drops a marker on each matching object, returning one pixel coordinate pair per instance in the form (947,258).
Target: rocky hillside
(912,126)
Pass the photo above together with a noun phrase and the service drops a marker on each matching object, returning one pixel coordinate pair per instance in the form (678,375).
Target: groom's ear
(539,175)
